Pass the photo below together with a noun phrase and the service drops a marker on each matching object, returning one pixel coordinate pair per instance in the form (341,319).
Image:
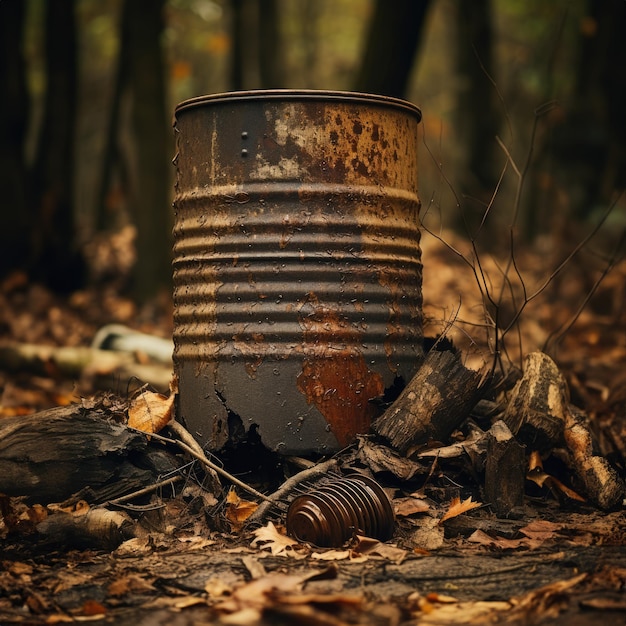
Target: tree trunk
(14,103)
(478,117)
(393,38)
(112,153)
(151,190)
(270,54)
(237,37)
(582,163)
(58,262)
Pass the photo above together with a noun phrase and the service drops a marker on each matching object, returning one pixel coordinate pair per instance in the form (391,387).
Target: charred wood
(435,402)
(505,472)
(51,455)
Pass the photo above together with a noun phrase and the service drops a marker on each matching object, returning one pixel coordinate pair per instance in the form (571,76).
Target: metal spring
(335,511)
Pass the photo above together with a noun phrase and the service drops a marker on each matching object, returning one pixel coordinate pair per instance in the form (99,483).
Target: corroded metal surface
(333,513)
(297,266)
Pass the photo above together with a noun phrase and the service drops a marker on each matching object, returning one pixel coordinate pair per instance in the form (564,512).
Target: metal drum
(297,265)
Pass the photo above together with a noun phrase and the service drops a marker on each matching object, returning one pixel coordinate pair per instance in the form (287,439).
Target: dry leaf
(410,505)
(537,475)
(269,537)
(238,510)
(428,534)
(150,411)
(129,584)
(367,545)
(332,555)
(457,508)
(541,530)
(482,538)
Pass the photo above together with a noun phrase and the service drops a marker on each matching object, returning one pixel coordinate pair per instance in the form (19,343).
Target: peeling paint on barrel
(297,267)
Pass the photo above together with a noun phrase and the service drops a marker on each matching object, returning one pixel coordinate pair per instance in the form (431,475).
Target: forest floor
(190,560)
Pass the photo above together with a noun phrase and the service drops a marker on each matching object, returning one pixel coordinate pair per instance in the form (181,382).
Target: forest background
(523,132)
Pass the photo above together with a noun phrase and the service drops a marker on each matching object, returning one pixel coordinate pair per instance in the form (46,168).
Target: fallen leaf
(129,584)
(183,603)
(238,510)
(92,607)
(150,411)
(403,507)
(428,534)
(482,538)
(332,555)
(457,508)
(369,546)
(269,537)
(541,530)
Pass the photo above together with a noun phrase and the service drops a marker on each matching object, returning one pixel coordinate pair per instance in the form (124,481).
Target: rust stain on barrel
(336,379)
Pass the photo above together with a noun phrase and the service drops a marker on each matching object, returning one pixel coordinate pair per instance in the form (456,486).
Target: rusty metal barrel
(297,264)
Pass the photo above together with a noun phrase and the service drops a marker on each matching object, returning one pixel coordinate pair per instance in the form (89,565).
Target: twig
(203,459)
(186,437)
(145,490)
(289,485)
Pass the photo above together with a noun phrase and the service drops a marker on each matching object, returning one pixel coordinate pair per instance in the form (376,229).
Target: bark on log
(103,369)
(435,402)
(505,472)
(601,482)
(97,528)
(50,455)
(536,411)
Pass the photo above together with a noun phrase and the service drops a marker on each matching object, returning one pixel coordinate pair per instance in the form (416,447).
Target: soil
(192,560)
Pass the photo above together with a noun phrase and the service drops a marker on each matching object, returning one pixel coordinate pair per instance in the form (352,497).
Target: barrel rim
(317,95)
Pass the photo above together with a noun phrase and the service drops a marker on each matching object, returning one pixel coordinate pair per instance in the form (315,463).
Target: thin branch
(144,491)
(311,473)
(558,334)
(203,459)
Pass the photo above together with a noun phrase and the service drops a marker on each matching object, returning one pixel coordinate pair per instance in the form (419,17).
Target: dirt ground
(189,559)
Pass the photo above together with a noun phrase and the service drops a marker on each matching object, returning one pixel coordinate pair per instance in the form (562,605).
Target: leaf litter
(445,510)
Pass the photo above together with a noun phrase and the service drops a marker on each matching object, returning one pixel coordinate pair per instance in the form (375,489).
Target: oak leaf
(270,538)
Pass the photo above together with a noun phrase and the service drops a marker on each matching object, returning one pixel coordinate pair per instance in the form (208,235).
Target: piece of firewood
(536,410)
(505,471)
(601,482)
(435,402)
(97,528)
(52,454)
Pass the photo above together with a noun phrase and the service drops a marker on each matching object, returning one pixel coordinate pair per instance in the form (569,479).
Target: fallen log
(50,455)
(435,402)
(539,414)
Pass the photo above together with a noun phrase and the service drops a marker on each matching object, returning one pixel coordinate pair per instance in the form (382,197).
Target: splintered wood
(540,415)
(435,402)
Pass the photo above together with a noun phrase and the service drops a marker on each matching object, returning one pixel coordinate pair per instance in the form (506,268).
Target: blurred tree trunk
(256,58)
(150,195)
(270,53)
(478,118)
(57,260)
(393,37)
(237,36)
(581,162)
(112,155)
(14,105)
